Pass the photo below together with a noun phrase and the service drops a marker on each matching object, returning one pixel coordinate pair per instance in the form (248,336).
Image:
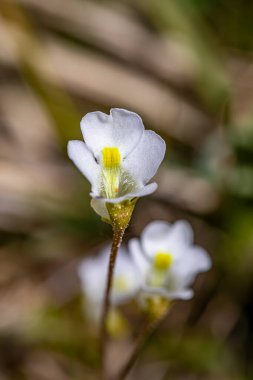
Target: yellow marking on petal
(162,260)
(111,157)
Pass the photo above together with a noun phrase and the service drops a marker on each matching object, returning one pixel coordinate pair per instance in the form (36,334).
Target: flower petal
(92,285)
(143,162)
(181,231)
(92,273)
(200,260)
(155,237)
(122,129)
(196,260)
(184,294)
(125,268)
(146,190)
(84,160)
(139,259)
(162,236)
(100,208)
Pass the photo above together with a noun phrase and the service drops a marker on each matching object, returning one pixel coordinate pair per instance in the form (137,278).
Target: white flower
(93,272)
(118,157)
(167,259)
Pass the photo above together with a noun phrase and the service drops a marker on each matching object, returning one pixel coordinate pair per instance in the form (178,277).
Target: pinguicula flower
(167,259)
(118,157)
(92,272)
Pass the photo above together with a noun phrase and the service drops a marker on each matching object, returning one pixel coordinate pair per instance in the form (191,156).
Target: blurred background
(186,67)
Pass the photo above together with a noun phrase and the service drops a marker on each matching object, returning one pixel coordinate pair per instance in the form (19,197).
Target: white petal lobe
(147,156)
(182,232)
(122,129)
(138,257)
(155,237)
(84,160)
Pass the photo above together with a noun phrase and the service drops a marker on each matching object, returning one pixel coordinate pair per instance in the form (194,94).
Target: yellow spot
(111,157)
(116,323)
(120,283)
(163,260)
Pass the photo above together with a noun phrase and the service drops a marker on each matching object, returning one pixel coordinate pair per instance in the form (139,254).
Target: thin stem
(147,330)
(117,239)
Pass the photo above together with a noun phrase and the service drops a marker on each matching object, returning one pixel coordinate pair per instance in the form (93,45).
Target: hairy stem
(117,239)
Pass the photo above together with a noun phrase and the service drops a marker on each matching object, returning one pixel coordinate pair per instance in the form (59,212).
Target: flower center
(115,181)
(111,157)
(111,171)
(158,274)
(162,261)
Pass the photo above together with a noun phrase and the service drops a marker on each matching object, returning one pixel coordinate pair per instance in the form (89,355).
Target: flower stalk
(120,215)
(153,318)
(117,239)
